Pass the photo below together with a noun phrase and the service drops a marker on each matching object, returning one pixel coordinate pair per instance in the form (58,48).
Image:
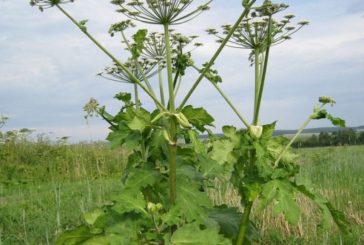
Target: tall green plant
(263,167)
(163,198)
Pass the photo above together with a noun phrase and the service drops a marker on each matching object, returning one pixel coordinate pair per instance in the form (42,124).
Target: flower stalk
(216,55)
(173,127)
(113,58)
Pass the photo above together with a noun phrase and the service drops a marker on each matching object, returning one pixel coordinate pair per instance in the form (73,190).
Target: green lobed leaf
(193,235)
(157,146)
(198,117)
(229,220)
(222,151)
(133,140)
(124,97)
(336,121)
(98,240)
(268,131)
(173,216)
(188,171)
(283,192)
(138,45)
(140,121)
(328,211)
(74,237)
(117,138)
(126,229)
(319,114)
(210,168)
(139,178)
(182,61)
(130,201)
(191,203)
(138,124)
(197,145)
(92,216)
(231,133)
(82,25)
(122,240)
(211,74)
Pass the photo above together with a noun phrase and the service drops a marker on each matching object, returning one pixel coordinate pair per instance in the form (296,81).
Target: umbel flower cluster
(165,12)
(117,74)
(260,30)
(45,4)
(152,57)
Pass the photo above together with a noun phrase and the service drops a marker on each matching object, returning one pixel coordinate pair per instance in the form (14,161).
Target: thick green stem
(161,87)
(173,162)
(257,81)
(264,73)
(173,126)
(244,223)
(172,106)
(249,200)
(143,151)
(136,96)
(178,85)
(216,55)
(112,57)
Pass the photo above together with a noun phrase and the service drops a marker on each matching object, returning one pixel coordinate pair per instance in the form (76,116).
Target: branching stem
(264,73)
(117,62)
(245,122)
(299,132)
(138,66)
(216,55)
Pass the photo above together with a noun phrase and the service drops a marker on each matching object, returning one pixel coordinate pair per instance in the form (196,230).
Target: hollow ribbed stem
(264,72)
(257,82)
(169,69)
(112,57)
(172,123)
(178,86)
(173,162)
(248,203)
(244,223)
(161,87)
(136,96)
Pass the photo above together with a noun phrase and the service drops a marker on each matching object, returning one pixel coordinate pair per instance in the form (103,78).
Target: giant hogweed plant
(163,197)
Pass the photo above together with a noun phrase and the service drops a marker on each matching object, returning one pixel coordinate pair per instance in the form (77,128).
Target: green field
(45,188)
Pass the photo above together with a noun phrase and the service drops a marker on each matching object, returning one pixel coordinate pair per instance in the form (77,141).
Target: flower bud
(255,131)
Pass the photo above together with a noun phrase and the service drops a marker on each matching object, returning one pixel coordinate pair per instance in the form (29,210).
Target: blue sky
(48,68)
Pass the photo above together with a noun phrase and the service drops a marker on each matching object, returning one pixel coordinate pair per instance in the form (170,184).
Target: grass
(335,172)
(45,188)
(44,161)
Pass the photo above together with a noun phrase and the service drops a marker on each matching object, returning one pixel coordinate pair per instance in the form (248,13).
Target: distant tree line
(342,137)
